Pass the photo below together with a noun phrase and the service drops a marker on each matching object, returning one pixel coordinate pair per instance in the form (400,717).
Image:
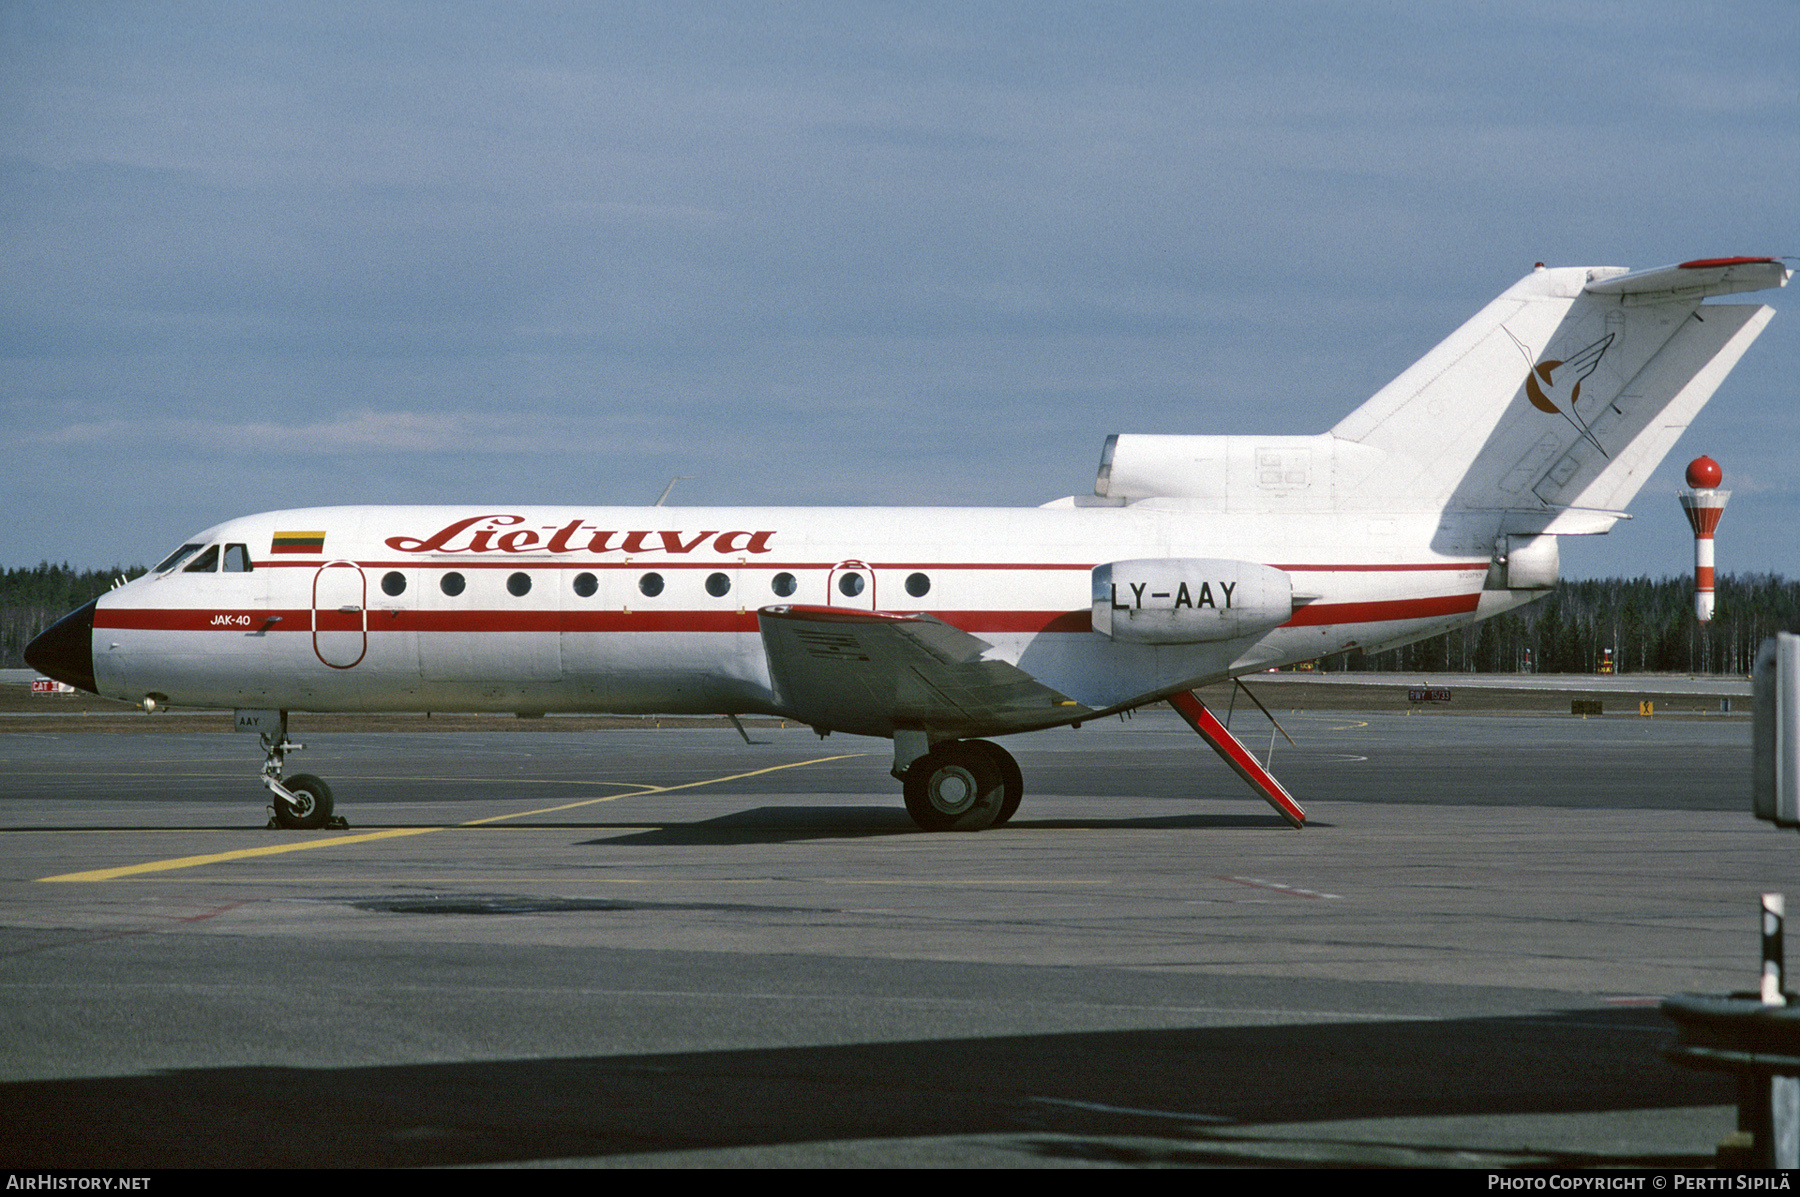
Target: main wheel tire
(315,803)
(1010,777)
(954,787)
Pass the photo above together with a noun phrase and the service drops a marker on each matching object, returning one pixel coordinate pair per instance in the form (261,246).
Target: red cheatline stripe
(1314,614)
(1459,566)
(731,620)
(729,564)
(1237,756)
(163,619)
(241,622)
(726,564)
(210,620)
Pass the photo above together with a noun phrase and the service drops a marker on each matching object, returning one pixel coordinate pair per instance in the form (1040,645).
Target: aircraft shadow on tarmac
(767,825)
(1163,1095)
(790,824)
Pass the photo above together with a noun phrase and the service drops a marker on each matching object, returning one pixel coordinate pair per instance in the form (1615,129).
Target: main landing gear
(971,785)
(301,802)
(963,785)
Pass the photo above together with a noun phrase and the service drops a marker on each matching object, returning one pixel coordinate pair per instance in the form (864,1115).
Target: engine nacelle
(1189,600)
(1526,562)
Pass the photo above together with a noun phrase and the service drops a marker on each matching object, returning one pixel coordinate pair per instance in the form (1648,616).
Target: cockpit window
(175,558)
(237,559)
(205,563)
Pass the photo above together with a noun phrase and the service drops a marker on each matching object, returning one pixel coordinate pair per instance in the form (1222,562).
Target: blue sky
(274,256)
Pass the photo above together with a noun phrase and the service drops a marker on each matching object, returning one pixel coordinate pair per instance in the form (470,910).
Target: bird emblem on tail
(1579,366)
(1574,371)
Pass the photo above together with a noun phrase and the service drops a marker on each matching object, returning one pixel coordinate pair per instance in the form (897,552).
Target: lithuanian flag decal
(298,542)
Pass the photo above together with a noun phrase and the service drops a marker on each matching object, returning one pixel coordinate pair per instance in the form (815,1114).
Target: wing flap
(871,672)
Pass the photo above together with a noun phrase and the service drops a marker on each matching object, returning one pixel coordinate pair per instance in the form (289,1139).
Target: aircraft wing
(870,672)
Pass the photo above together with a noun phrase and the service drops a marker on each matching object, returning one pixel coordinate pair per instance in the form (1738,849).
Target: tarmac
(662,946)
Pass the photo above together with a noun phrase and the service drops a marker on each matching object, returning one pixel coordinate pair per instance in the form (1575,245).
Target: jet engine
(1189,600)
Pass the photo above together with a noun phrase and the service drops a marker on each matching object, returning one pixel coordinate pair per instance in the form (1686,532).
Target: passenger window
(176,558)
(393,583)
(586,585)
(205,563)
(783,585)
(519,584)
(850,585)
(452,584)
(918,585)
(718,585)
(237,559)
(651,585)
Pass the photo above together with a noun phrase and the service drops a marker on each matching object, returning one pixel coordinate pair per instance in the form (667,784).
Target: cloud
(355,432)
(838,251)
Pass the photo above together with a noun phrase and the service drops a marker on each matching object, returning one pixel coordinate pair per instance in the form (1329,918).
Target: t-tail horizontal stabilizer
(1232,750)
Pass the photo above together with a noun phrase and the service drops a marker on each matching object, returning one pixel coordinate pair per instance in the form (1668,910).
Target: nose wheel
(302,802)
(306,805)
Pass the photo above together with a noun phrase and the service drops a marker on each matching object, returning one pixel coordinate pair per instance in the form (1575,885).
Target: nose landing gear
(302,802)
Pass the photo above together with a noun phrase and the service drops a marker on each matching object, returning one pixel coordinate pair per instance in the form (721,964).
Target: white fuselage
(560,609)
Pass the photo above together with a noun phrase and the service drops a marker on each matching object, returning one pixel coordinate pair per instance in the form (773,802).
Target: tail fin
(1555,403)
(1566,391)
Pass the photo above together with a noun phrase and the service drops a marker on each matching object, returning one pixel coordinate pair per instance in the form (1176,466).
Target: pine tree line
(1648,623)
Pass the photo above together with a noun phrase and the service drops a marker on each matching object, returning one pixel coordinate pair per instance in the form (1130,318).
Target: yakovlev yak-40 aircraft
(1196,559)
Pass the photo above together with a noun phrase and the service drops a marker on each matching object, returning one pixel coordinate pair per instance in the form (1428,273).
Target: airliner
(1196,559)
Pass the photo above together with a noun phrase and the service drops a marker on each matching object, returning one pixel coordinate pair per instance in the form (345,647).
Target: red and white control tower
(1704,505)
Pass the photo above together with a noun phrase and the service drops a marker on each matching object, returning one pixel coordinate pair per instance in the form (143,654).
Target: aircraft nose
(65,649)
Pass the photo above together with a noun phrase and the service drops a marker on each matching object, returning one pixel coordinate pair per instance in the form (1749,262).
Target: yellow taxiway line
(190,862)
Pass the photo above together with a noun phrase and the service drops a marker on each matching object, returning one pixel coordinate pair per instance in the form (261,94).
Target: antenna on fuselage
(671,486)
